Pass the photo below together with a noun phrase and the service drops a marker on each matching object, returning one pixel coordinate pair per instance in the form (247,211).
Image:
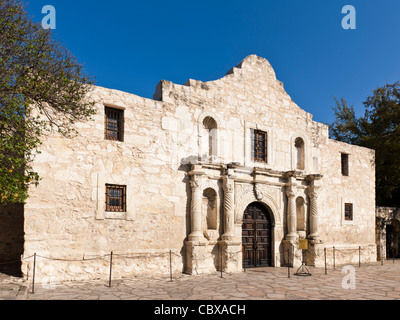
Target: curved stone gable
(253,79)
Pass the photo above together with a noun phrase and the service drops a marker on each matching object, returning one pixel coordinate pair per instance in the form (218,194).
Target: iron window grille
(260,146)
(114,121)
(348,211)
(115,198)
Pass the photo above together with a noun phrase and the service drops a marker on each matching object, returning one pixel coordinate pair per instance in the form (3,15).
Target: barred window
(348,211)
(114,120)
(115,198)
(260,146)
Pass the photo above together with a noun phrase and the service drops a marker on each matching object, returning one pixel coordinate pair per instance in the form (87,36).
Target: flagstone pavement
(374,282)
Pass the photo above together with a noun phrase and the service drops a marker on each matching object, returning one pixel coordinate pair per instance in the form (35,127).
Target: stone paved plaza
(376,282)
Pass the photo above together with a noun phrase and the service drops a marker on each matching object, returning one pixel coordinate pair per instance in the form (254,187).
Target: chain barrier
(105,257)
(365,255)
(285,257)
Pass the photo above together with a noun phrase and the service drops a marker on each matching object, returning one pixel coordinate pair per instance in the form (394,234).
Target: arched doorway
(257,236)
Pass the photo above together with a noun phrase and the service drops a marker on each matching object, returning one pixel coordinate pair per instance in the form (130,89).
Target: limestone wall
(65,217)
(358,189)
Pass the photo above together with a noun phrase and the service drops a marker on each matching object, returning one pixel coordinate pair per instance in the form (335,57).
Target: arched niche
(299,153)
(210,126)
(210,209)
(300,215)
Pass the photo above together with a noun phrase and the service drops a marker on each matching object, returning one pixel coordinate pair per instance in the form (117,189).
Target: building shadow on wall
(11,239)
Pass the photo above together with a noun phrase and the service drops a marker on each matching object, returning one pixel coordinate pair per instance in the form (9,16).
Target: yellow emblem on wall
(303,244)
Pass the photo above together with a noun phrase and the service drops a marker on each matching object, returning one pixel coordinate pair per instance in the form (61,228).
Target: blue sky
(131,45)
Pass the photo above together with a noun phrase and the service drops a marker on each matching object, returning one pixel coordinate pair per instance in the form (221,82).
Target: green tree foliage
(42,88)
(378,129)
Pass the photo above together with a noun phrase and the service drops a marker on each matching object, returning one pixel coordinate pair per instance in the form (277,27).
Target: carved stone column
(313,196)
(229,209)
(291,211)
(313,214)
(195,208)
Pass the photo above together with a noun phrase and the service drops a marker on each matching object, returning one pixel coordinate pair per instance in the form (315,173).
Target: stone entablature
(187,162)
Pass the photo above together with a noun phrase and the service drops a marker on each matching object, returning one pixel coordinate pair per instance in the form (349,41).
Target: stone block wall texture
(65,217)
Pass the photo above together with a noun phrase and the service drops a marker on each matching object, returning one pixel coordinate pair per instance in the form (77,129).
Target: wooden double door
(256,236)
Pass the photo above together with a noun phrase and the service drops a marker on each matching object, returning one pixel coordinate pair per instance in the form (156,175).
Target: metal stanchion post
(109,279)
(243,264)
(34,270)
(170,265)
(359,256)
(221,261)
(326,270)
(334,258)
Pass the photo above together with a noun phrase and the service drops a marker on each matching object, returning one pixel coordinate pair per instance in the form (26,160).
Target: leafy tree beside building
(378,129)
(42,88)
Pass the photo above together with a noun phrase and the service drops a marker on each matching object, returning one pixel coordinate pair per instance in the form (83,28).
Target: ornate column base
(203,257)
(199,257)
(232,259)
(292,237)
(288,254)
(315,253)
(314,237)
(229,237)
(196,236)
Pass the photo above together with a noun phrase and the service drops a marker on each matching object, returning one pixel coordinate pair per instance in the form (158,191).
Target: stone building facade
(388,232)
(226,174)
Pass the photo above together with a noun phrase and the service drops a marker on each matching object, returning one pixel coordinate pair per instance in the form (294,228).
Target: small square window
(115,198)
(348,211)
(114,120)
(345,164)
(260,146)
